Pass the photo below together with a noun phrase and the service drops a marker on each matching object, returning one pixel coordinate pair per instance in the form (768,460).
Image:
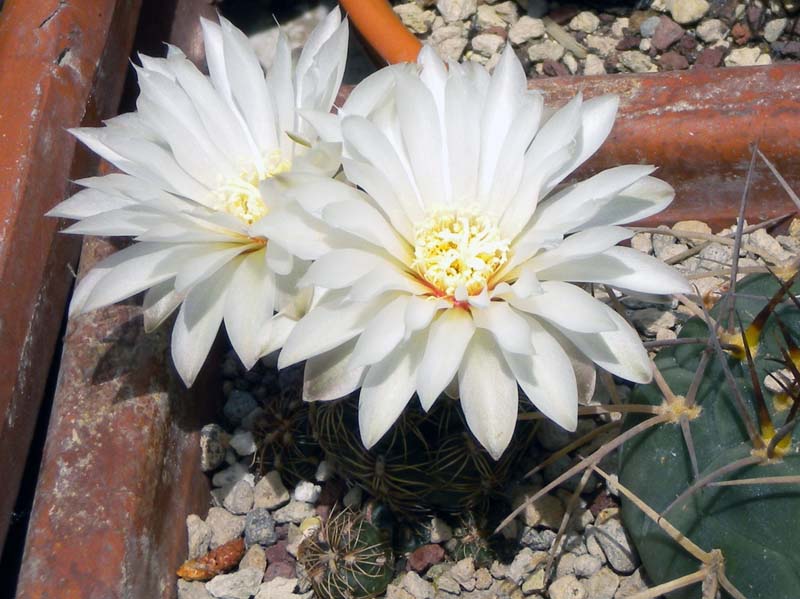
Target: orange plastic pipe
(382,29)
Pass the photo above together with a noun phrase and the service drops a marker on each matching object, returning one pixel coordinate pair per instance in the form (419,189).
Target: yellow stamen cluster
(458,248)
(240,195)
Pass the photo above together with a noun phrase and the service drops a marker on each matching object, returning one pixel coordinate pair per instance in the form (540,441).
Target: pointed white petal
(421,310)
(364,221)
(382,334)
(448,338)
(568,307)
(387,388)
(329,376)
(197,324)
(327,326)
(622,267)
(159,303)
(488,392)
(547,378)
(205,264)
(249,304)
(582,244)
(509,328)
(620,351)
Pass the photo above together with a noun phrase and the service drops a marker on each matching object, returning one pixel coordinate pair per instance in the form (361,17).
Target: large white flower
(461,256)
(207,162)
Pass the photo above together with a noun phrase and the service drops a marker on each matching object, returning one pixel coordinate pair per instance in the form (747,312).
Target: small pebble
(278,588)
(585,21)
(242,584)
(586,566)
(602,584)
(525,30)
(270,492)
(239,405)
(567,587)
(212,447)
(307,492)
(294,511)
(254,559)
(325,472)
(199,536)
(243,443)
(614,541)
(418,587)
(192,590)
(259,528)
(224,526)
(239,497)
(545,50)
(463,572)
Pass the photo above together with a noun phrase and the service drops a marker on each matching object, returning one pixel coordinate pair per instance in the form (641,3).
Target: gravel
(670,35)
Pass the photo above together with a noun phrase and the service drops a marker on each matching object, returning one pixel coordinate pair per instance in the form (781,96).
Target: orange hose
(382,29)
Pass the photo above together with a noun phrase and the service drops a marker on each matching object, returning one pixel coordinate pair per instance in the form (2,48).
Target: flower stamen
(458,248)
(240,195)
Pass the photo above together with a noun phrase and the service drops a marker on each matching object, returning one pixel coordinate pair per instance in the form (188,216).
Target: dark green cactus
(283,434)
(347,558)
(427,460)
(755,526)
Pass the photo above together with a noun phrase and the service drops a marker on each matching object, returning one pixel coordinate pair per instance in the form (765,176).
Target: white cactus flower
(458,267)
(206,163)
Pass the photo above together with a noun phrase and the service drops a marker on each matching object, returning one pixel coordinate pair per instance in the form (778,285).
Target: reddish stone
(601,502)
(686,44)
(281,570)
(667,33)
(755,16)
(741,33)
(424,557)
(501,31)
(277,552)
(563,14)
(629,42)
(673,61)
(710,57)
(553,68)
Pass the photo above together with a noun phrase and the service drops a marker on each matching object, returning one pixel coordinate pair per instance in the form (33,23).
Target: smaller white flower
(455,261)
(206,166)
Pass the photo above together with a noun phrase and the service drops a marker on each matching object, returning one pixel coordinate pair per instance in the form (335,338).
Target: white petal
(597,119)
(248,87)
(624,268)
(375,184)
(644,198)
(382,334)
(89,202)
(507,90)
(421,129)
(387,388)
(364,141)
(547,378)
(421,310)
(159,303)
(197,324)
(381,280)
(121,222)
(568,307)
(364,221)
(620,351)
(281,328)
(341,268)
(281,86)
(327,326)
(329,376)
(447,339)
(576,205)
(135,269)
(249,306)
(278,259)
(489,396)
(509,328)
(463,111)
(579,245)
(202,266)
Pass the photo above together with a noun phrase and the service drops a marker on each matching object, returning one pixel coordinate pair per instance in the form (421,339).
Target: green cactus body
(756,526)
(427,460)
(283,433)
(348,558)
